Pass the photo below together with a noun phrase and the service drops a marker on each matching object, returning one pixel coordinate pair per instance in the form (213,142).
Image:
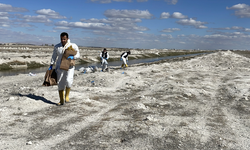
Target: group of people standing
(65,76)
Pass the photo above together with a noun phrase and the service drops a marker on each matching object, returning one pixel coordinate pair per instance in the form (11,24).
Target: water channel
(113,63)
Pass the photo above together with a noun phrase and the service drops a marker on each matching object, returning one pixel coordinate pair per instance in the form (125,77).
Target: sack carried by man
(50,78)
(66,63)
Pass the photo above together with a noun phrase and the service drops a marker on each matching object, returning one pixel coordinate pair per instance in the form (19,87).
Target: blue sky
(179,24)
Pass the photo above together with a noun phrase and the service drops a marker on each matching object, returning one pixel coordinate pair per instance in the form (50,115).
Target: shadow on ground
(35,97)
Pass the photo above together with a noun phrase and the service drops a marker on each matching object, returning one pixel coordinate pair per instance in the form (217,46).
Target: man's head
(64,38)
(129,52)
(104,50)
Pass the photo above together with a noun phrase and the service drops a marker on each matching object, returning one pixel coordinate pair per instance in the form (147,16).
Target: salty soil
(198,103)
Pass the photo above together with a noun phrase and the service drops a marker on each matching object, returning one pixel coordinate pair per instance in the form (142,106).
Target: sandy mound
(202,103)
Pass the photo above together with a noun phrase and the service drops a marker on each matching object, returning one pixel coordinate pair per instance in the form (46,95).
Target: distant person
(64,77)
(124,58)
(104,55)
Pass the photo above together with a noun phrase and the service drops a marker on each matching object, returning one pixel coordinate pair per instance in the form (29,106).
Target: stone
(29,143)
(11,98)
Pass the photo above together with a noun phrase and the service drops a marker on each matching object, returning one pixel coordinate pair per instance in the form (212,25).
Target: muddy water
(114,63)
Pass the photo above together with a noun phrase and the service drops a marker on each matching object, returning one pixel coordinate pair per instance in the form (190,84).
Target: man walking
(64,77)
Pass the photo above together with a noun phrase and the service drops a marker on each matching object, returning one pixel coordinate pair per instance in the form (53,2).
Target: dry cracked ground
(198,103)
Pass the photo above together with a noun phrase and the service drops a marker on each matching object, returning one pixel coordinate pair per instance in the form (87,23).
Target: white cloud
(84,25)
(121,24)
(165,15)
(192,22)
(201,27)
(170,30)
(131,40)
(52,31)
(140,28)
(194,36)
(243,13)
(5,25)
(4,19)
(9,8)
(167,36)
(62,28)
(98,32)
(237,28)
(113,13)
(242,10)
(246,36)
(50,14)
(226,35)
(112,24)
(38,18)
(92,26)
(247,30)
(224,41)
(46,12)
(226,28)
(112,20)
(238,6)
(229,40)
(23,24)
(178,15)
(102,1)
(218,36)
(237,33)
(171,1)
(181,35)
(4,14)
